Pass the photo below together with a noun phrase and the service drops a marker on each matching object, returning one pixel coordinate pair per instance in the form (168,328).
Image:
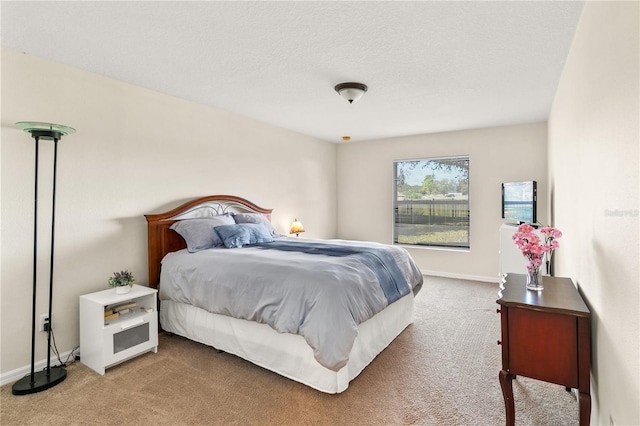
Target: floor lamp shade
(42,380)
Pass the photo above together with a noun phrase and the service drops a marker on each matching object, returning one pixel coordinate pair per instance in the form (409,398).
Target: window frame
(453,245)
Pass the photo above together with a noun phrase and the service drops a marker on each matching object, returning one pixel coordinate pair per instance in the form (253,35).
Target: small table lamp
(296,228)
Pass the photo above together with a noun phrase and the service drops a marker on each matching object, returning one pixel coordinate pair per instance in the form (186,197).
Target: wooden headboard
(163,240)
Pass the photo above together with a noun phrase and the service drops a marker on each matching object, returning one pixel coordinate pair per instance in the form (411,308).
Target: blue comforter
(392,282)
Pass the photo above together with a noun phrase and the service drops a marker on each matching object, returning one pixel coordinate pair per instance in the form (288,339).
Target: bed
(323,345)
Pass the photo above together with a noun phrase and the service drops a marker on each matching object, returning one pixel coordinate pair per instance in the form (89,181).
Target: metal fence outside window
(421,221)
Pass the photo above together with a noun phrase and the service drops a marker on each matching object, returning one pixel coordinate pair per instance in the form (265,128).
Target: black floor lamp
(42,380)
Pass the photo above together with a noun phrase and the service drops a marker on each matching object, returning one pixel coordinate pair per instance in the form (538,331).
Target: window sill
(437,248)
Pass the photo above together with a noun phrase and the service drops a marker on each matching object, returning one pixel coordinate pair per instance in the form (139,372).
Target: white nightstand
(107,342)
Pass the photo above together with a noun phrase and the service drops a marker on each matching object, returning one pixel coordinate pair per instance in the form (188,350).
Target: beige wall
(496,155)
(593,175)
(135,152)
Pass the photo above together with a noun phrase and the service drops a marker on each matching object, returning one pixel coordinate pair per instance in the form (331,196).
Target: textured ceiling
(430,66)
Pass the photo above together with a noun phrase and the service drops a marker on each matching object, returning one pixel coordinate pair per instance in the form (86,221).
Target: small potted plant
(122,281)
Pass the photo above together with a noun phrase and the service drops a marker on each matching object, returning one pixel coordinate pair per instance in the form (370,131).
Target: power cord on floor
(71,358)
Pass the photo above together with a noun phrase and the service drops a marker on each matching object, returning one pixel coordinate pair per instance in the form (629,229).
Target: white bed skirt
(287,354)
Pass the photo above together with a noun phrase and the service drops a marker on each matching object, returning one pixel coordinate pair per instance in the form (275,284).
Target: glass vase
(534,279)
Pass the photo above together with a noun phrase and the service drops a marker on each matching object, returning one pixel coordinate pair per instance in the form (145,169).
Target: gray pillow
(256,218)
(200,234)
(243,234)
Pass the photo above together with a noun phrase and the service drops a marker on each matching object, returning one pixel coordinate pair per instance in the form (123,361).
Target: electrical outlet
(44,322)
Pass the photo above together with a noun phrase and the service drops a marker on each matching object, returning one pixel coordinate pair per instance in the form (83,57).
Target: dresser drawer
(543,346)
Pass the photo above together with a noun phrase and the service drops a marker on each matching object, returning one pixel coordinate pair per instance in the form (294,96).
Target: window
(431,202)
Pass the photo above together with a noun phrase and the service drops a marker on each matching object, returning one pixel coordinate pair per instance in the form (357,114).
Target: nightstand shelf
(107,342)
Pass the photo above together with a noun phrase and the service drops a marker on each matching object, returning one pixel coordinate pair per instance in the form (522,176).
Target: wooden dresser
(546,336)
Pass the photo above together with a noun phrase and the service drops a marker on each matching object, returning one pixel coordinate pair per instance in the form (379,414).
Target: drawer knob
(499,311)
(499,342)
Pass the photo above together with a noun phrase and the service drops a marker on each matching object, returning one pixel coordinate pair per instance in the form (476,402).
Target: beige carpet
(442,370)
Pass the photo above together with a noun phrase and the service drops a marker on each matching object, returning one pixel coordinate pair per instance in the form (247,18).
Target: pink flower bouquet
(533,247)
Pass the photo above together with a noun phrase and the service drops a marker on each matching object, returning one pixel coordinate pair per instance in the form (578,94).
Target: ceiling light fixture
(351,91)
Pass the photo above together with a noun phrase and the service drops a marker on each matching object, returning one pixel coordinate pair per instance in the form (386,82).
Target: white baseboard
(19,373)
(461,276)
